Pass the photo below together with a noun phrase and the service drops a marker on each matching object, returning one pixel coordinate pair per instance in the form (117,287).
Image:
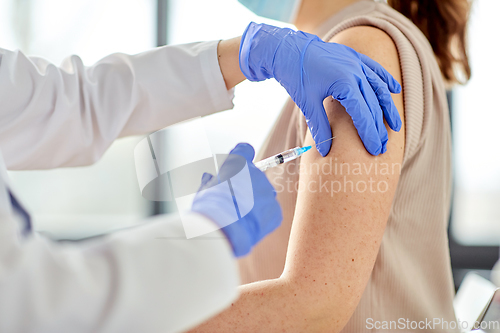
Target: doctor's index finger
(372,102)
(363,119)
(382,73)
(385,101)
(353,100)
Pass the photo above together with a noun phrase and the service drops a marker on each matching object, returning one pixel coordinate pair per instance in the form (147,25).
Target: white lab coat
(146,279)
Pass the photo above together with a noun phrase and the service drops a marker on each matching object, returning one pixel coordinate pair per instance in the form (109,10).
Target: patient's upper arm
(344,201)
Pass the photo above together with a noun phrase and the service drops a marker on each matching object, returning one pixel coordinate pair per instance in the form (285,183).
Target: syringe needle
(325,141)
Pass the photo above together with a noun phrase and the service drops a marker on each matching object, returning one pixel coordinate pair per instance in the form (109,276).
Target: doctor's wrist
(228,56)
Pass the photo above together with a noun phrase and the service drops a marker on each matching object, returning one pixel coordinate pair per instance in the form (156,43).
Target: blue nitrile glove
(253,200)
(311,70)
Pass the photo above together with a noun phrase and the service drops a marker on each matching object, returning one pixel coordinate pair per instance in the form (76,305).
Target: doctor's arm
(228,54)
(335,235)
(57,116)
(146,279)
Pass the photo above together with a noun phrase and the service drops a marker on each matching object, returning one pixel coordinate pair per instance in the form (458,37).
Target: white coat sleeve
(146,279)
(69,115)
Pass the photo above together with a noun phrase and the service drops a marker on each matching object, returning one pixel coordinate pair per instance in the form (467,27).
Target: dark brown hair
(444,23)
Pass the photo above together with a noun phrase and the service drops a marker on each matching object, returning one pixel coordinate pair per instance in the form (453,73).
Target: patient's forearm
(228,54)
(266,306)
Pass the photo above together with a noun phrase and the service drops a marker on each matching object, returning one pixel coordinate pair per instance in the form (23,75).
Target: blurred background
(76,203)
(475,217)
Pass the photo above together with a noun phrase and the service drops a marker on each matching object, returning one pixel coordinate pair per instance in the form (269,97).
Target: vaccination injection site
(249,166)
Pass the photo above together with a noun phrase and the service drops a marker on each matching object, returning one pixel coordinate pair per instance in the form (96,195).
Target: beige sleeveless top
(412,276)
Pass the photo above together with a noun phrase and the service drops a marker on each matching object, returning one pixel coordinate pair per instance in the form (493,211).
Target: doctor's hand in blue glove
(240,199)
(312,70)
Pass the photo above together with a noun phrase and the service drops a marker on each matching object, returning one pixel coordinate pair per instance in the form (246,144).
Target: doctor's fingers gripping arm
(146,279)
(69,115)
(334,239)
(312,70)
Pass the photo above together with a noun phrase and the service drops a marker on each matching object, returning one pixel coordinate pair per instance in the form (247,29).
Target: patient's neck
(313,13)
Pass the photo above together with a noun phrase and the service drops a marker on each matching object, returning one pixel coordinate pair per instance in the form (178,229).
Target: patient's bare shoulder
(379,46)
(373,42)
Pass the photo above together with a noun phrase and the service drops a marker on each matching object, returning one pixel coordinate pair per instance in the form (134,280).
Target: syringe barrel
(278,159)
(289,155)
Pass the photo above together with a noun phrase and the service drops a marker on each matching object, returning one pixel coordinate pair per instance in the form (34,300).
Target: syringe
(286,156)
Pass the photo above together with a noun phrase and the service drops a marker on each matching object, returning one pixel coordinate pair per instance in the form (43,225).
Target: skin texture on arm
(336,235)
